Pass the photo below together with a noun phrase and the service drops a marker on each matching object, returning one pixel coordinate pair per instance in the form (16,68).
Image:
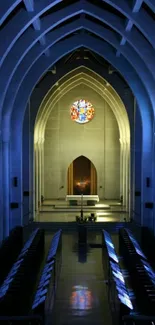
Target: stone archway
(84,76)
(82,177)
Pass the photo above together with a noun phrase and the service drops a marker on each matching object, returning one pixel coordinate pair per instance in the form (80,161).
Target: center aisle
(81,296)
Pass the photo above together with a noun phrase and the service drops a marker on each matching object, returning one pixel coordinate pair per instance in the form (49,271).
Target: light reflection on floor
(81,299)
(71,217)
(81,296)
(48,213)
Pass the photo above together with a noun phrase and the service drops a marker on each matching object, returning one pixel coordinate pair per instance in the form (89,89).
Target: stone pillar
(34,182)
(36,177)
(39,172)
(93,180)
(16,170)
(70,179)
(153,176)
(6,186)
(132,174)
(121,168)
(31,176)
(127,174)
(137,207)
(147,191)
(1,191)
(26,168)
(146,169)
(42,167)
(31,167)
(124,171)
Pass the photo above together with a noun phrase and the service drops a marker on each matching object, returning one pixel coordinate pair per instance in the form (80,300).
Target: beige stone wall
(98,140)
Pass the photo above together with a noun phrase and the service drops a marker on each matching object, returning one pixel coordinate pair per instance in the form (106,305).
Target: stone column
(16,170)
(42,167)
(124,171)
(70,179)
(127,173)
(1,196)
(39,171)
(121,167)
(146,170)
(26,167)
(6,186)
(36,177)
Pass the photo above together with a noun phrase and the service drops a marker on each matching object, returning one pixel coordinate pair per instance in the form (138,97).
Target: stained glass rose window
(82,111)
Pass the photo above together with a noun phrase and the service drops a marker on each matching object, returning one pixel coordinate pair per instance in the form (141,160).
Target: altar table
(82,199)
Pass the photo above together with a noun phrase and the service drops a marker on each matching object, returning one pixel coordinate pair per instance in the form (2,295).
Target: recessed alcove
(82,177)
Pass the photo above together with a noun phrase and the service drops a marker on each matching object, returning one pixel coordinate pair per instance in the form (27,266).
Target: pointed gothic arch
(81,177)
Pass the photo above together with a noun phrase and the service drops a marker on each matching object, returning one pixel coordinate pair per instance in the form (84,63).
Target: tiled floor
(81,294)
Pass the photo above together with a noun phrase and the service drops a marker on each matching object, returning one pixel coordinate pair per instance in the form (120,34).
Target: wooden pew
(44,296)
(9,251)
(141,274)
(18,285)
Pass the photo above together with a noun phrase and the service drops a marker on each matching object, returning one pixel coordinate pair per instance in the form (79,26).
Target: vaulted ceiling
(38,34)
(44,40)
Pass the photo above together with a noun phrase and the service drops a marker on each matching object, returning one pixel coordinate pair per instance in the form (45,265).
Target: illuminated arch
(89,78)
(88,183)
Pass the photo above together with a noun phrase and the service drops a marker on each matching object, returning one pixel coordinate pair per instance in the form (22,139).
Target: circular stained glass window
(82,111)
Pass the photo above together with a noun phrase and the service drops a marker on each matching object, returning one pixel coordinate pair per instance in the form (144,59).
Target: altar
(82,199)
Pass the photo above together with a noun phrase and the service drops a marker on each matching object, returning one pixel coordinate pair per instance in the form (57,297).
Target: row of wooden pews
(44,297)
(141,274)
(118,294)
(18,285)
(19,304)
(9,251)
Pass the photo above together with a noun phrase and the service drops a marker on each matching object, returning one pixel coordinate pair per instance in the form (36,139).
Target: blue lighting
(54,245)
(135,244)
(48,271)
(117,274)
(113,256)
(110,246)
(125,300)
(149,270)
(5,286)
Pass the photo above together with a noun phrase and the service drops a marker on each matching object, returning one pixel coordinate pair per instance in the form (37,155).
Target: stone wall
(97,140)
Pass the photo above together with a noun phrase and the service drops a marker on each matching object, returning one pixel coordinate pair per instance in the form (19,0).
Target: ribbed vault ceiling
(36,34)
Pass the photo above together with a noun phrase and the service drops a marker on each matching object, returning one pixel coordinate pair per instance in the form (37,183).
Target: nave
(77,117)
(81,296)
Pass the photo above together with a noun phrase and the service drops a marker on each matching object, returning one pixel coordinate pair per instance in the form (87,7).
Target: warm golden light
(82,184)
(102,206)
(103,213)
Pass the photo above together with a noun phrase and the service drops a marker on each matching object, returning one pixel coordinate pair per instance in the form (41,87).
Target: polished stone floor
(81,296)
(71,217)
(59,211)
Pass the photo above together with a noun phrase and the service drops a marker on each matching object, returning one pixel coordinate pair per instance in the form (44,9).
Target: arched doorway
(82,177)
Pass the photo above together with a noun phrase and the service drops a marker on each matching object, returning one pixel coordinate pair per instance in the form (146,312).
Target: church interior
(77,162)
